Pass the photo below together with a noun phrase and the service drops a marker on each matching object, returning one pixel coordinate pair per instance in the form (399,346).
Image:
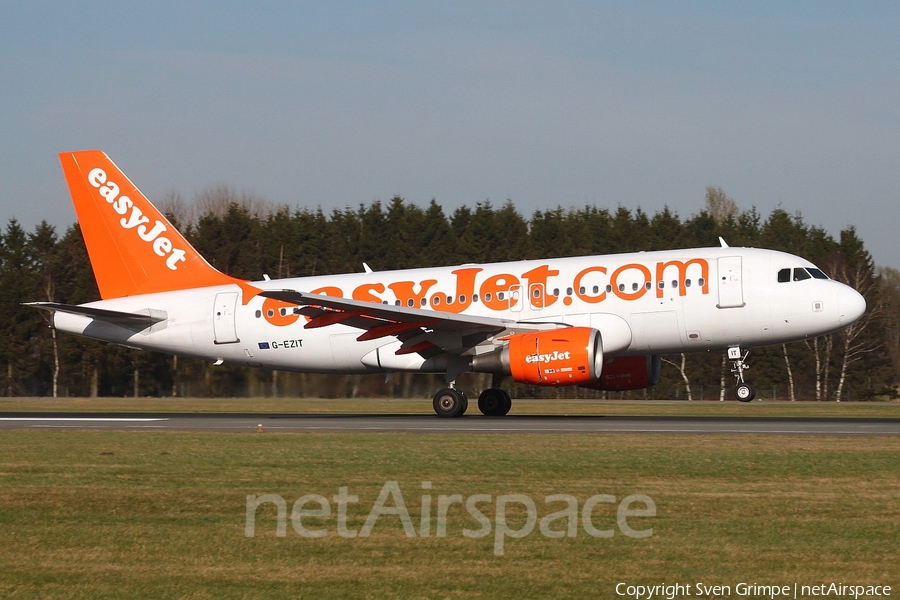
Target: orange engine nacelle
(628,373)
(568,356)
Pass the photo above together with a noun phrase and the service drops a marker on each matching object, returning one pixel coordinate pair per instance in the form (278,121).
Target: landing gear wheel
(745,392)
(450,403)
(494,402)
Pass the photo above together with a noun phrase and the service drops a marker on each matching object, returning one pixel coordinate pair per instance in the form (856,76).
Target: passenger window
(634,287)
(596,289)
(556,292)
(784,275)
(462,299)
(474,297)
(701,281)
(568,291)
(258,314)
(500,295)
(675,284)
(436,300)
(661,284)
(449,299)
(487,297)
(423,302)
(536,293)
(608,288)
(687,283)
(801,274)
(581,290)
(410,302)
(621,287)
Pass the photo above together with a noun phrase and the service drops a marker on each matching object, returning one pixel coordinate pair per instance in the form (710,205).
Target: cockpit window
(801,274)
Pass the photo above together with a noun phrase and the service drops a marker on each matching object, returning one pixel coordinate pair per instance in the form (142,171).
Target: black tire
(450,403)
(507,403)
(494,402)
(745,392)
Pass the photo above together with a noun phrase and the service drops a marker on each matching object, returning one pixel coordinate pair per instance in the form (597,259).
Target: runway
(251,422)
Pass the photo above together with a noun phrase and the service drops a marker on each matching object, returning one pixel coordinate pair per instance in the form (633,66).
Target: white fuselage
(642,303)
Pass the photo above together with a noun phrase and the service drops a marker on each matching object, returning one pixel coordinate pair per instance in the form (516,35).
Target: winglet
(133,248)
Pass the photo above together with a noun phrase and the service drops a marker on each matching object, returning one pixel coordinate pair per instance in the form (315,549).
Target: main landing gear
(744,391)
(451,402)
(494,402)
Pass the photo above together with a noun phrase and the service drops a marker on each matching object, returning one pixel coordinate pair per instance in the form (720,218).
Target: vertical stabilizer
(133,248)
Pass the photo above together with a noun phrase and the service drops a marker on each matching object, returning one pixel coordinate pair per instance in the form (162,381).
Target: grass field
(106,514)
(662,408)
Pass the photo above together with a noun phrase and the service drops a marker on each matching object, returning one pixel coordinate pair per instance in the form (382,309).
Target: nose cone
(851,304)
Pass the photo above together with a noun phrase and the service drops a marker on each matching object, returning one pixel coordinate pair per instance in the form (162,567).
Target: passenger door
(731,290)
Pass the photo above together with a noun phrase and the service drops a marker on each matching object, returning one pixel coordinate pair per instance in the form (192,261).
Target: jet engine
(628,373)
(570,356)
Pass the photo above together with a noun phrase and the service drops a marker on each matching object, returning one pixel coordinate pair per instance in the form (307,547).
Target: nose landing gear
(744,391)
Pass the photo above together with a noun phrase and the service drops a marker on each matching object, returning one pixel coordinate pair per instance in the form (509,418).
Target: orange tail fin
(133,248)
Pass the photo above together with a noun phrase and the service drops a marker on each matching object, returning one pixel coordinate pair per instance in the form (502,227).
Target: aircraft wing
(426,332)
(125,319)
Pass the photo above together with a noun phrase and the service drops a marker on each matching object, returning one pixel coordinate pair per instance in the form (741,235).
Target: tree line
(246,237)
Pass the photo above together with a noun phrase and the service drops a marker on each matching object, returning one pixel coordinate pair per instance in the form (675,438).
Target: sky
(335,104)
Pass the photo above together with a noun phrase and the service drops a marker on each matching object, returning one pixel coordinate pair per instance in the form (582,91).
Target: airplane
(599,322)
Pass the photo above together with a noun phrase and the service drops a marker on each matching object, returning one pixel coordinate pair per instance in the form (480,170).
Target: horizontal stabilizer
(146,319)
